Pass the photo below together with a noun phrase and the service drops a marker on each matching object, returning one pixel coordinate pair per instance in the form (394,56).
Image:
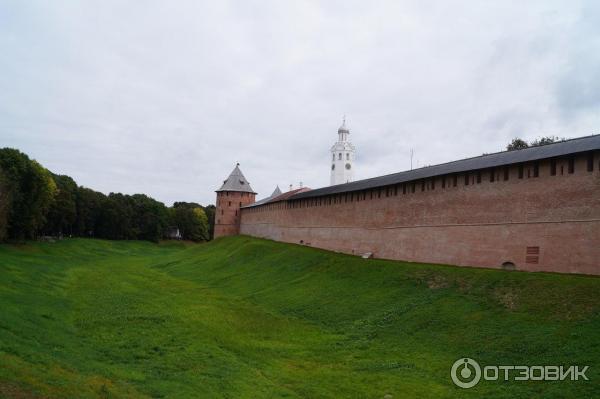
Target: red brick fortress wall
(227,214)
(523,215)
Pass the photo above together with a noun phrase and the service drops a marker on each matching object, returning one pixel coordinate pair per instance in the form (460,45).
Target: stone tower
(342,157)
(233,194)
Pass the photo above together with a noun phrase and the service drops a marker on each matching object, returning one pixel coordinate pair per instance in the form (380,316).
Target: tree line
(519,144)
(35,202)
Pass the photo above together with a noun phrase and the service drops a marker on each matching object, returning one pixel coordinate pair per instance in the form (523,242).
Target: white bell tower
(342,157)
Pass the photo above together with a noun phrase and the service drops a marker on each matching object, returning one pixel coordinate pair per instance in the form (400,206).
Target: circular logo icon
(465,373)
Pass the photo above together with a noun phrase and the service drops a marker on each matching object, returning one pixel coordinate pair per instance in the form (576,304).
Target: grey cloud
(578,89)
(164,98)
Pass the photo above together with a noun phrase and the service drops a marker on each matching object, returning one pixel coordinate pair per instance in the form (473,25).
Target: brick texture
(227,215)
(534,223)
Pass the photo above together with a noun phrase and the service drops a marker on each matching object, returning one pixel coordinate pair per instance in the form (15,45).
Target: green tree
(62,214)
(5,203)
(546,140)
(202,221)
(210,211)
(116,218)
(89,204)
(191,220)
(182,204)
(32,191)
(150,218)
(33,200)
(42,192)
(517,144)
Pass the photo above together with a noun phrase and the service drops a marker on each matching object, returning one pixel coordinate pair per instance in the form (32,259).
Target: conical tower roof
(276,192)
(236,182)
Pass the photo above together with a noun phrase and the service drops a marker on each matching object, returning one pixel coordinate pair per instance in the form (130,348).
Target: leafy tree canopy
(31,190)
(34,201)
(519,144)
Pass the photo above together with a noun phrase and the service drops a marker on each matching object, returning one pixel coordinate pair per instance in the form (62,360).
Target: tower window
(347,156)
(333,157)
(340,156)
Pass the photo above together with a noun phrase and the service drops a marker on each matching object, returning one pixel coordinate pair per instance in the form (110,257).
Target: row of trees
(519,144)
(34,202)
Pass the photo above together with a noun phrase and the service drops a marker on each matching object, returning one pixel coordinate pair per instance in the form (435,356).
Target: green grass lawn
(248,318)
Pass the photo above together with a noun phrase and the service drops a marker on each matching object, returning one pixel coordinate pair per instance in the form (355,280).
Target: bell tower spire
(342,157)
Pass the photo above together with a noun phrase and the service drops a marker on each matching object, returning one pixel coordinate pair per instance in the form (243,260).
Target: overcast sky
(164,97)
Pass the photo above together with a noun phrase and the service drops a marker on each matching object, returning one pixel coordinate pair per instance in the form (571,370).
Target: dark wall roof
(280,197)
(562,148)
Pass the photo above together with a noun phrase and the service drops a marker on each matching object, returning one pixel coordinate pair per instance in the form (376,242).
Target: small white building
(173,233)
(342,157)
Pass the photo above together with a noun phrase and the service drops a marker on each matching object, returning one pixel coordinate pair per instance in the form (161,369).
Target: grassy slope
(242,317)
